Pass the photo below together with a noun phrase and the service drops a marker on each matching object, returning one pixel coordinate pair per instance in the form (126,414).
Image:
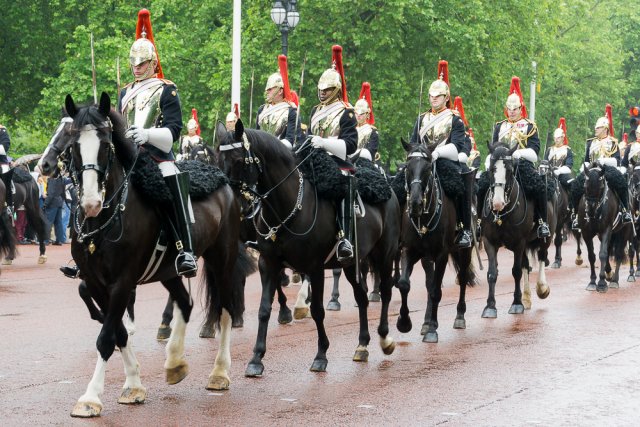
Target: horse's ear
(405,145)
(221,132)
(105,104)
(70,106)
(586,168)
(237,135)
(491,146)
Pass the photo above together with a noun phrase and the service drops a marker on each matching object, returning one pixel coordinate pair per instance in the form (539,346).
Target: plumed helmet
(602,122)
(144,49)
(365,104)
(515,99)
(561,131)
(193,122)
(334,76)
(231,117)
(441,85)
(558,133)
(608,112)
(274,80)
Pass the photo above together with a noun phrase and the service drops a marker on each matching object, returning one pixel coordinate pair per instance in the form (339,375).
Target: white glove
(365,154)
(562,170)
(337,147)
(622,169)
(287,144)
(527,154)
(462,158)
(2,152)
(447,151)
(608,161)
(139,135)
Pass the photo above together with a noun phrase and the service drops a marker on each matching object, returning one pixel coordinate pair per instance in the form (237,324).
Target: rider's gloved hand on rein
(447,151)
(158,137)
(337,147)
(527,154)
(287,144)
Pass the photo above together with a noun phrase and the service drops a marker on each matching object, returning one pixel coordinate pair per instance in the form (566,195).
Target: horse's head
(235,157)
(90,142)
(419,177)
(56,155)
(594,188)
(501,174)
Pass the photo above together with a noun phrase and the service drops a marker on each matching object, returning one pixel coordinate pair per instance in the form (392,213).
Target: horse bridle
(429,188)
(508,190)
(593,204)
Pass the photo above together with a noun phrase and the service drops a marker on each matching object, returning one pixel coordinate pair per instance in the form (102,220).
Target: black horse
(598,216)
(428,234)
(116,235)
(507,220)
(200,152)
(634,245)
(297,229)
(27,195)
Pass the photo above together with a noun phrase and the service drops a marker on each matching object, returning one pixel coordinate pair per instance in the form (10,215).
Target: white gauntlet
(337,147)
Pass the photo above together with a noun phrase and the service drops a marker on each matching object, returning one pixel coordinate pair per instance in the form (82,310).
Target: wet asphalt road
(573,359)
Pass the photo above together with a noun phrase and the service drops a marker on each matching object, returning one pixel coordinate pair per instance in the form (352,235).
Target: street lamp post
(285,15)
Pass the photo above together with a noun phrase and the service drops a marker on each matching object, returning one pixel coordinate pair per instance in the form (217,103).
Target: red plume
(515,88)
(475,147)
(284,72)
(194,115)
(337,60)
(457,105)
(365,93)
(562,124)
(625,138)
(294,98)
(144,26)
(443,74)
(236,110)
(608,111)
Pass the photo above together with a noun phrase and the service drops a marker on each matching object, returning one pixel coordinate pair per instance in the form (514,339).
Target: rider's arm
(533,141)
(373,144)
(568,161)
(5,141)
(293,131)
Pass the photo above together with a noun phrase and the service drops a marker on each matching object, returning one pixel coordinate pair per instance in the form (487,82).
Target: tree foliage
(586,53)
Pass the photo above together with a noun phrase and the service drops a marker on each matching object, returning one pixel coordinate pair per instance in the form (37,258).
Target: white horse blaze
(499,177)
(91,198)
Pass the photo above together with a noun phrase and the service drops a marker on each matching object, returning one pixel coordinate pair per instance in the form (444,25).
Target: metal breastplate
(143,110)
(512,134)
(557,155)
(364,135)
(601,148)
(330,125)
(438,134)
(274,118)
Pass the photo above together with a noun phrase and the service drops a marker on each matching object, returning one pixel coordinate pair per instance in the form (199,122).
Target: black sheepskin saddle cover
(148,180)
(530,180)
(318,167)
(20,175)
(613,176)
(448,173)
(398,185)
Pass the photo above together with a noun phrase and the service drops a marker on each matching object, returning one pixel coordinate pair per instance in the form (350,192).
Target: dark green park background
(587,52)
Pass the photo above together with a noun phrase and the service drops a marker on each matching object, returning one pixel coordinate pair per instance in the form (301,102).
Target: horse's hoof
(254,370)
(403,324)
(431,337)
(238,323)
(164,332)
(132,395)
(86,410)
(178,373)
(556,264)
(319,365)
(295,278)
(490,313)
(300,313)
(637,273)
(460,324)
(361,354)
(526,302)
(7,261)
(631,278)
(284,316)
(591,287)
(614,285)
(374,297)
(42,259)
(602,288)
(390,348)
(579,261)
(608,276)
(207,331)
(217,382)
(542,290)
(516,309)
(333,305)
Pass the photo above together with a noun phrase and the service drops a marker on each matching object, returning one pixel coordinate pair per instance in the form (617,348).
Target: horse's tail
(8,239)
(465,271)
(233,301)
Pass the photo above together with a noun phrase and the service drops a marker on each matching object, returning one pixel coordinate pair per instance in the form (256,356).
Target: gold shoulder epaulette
(168,82)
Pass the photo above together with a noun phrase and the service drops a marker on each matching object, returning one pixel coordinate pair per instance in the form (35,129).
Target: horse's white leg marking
(131,367)
(128,324)
(542,288)
(303,294)
(223,358)
(96,385)
(526,293)
(175,345)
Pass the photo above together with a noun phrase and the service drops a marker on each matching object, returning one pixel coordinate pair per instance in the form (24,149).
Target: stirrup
(543,230)
(344,253)
(71,271)
(463,239)
(186,265)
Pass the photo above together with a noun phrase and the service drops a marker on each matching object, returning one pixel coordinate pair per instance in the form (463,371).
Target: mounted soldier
(603,151)
(631,158)
(518,132)
(333,126)
(560,156)
(368,140)
(279,116)
(151,107)
(441,128)
(193,138)
(463,157)
(230,121)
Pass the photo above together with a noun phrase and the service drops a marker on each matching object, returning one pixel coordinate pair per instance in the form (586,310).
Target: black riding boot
(186,264)
(541,212)
(345,248)
(624,202)
(464,239)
